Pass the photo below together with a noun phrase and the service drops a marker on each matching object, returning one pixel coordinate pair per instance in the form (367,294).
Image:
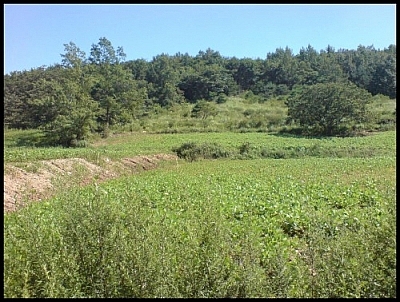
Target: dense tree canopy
(329,108)
(102,89)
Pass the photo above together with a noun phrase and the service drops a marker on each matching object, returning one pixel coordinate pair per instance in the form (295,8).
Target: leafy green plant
(324,108)
(192,151)
(314,224)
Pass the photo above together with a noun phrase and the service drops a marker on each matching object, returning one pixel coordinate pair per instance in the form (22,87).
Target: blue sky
(34,35)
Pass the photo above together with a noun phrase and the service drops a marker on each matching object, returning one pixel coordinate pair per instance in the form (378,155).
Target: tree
(112,80)
(163,74)
(364,60)
(73,57)
(384,78)
(16,109)
(245,73)
(138,68)
(70,112)
(208,82)
(204,109)
(103,53)
(281,67)
(326,107)
(22,89)
(73,124)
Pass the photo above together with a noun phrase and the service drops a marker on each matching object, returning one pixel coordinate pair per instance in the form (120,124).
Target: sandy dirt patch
(36,181)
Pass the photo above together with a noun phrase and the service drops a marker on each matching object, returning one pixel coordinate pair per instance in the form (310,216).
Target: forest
(92,94)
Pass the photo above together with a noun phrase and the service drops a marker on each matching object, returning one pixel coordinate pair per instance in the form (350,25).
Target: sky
(34,35)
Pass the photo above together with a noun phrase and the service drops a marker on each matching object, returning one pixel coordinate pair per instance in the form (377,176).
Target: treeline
(90,93)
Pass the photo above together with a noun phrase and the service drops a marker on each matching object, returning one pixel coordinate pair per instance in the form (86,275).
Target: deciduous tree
(326,107)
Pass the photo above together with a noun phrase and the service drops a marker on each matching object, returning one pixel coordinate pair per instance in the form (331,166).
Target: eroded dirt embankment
(36,181)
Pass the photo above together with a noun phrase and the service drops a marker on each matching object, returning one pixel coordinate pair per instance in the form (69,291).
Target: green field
(281,216)
(131,144)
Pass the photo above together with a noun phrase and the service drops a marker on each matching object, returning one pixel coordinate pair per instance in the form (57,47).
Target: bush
(325,108)
(191,151)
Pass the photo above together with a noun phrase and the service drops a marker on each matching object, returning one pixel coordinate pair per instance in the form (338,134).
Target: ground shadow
(32,140)
(297,135)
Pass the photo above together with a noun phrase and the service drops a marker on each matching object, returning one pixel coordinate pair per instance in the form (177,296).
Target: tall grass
(256,228)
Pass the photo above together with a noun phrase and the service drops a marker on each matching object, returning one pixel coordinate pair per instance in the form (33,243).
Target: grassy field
(131,144)
(247,121)
(281,216)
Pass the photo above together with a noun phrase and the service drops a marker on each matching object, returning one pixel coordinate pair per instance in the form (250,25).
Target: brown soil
(36,181)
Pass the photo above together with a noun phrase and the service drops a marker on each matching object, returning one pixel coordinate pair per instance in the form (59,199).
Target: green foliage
(384,78)
(257,228)
(73,57)
(19,145)
(301,227)
(22,138)
(204,109)
(115,91)
(383,113)
(103,53)
(327,108)
(286,147)
(74,123)
(192,151)
(126,93)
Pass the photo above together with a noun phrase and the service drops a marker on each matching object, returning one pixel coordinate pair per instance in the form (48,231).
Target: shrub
(191,151)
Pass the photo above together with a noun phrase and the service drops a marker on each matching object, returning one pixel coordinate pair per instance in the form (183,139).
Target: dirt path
(37,181)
